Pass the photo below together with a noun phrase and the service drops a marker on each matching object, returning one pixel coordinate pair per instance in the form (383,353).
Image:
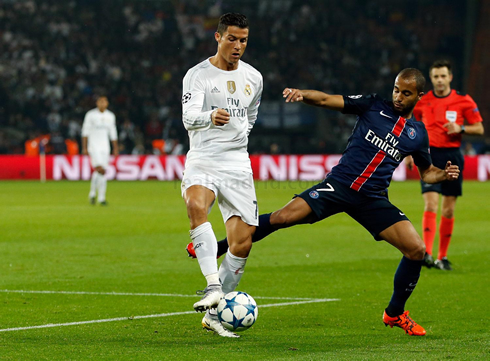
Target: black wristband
(462,129)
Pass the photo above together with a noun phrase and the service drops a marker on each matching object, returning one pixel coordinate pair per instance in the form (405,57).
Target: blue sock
(263,230)
(406,278)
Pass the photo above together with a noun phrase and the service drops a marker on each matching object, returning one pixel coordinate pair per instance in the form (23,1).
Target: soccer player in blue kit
(384,134)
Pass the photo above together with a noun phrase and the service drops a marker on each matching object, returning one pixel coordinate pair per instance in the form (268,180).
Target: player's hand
(292,95)
(409,162)
(452,171)
(220,117)
(84,152)
(452,128)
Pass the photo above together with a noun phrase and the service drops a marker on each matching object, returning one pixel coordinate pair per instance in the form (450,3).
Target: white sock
(231,271)
(206,248)
(102,187)
(213,279)
(93,185)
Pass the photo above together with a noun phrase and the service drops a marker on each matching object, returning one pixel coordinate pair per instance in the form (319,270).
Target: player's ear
(217,36)
(421,94)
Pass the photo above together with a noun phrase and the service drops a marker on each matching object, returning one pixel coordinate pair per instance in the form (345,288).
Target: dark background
(56,56)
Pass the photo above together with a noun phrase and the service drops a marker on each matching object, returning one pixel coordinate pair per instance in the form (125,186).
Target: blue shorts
(440,156)
(331,197)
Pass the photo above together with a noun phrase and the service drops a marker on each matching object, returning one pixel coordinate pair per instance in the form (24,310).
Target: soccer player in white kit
(99,127)
(220,102)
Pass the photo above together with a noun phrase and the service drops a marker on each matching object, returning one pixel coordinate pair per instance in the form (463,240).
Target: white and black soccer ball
(237,311)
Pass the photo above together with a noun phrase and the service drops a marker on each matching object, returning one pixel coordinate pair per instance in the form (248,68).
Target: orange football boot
(404,322)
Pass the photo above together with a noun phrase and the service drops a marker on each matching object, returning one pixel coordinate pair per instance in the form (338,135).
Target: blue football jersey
(378,143)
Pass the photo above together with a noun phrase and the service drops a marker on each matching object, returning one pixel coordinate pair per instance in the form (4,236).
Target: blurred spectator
(55,55)
(154,128)
(57,143)
(468,149)
(126,137)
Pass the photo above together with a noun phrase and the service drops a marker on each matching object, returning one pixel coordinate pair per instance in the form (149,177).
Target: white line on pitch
(49,325)
(137,294)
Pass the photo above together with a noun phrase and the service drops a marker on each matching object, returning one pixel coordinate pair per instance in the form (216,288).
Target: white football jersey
(100,128)
(205,88)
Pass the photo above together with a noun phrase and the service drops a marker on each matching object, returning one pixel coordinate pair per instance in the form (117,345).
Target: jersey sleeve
(422,156)
(253,109)
(471,113)
(358,104)
(193,116)
(86,125)
(113,129)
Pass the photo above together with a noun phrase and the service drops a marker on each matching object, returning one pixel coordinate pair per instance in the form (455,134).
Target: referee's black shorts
(331,197)
(440,156)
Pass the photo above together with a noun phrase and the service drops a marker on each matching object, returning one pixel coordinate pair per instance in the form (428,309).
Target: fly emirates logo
(234,108)
(388,145)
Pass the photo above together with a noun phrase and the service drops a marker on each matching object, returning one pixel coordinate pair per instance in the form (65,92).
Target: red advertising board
(134,167)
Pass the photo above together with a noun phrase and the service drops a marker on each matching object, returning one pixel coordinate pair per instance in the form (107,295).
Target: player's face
(102,103)
(232,44)
(441,79)
(405,96)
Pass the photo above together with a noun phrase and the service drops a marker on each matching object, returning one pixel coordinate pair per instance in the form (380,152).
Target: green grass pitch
(90,272)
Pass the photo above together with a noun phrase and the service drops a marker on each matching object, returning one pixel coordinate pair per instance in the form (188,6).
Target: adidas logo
(215,90)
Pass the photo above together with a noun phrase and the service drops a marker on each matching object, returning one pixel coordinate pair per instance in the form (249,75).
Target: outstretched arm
(433,174)
(314,97)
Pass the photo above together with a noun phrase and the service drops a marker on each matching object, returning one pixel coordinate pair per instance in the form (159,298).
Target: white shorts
(234,190)
(99,159)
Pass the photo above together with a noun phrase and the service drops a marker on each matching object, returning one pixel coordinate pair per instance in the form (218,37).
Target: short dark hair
(414,74)
(232,19)
(441,63)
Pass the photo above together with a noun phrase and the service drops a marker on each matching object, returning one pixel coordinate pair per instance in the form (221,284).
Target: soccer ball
(237,311)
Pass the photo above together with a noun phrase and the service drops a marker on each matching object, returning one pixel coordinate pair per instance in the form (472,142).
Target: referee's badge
(231,86)
(451,115)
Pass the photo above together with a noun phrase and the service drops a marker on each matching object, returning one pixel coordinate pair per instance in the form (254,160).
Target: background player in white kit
(99,127)
(221,96)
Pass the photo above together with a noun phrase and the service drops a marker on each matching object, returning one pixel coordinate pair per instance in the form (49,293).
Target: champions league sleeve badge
(186,97)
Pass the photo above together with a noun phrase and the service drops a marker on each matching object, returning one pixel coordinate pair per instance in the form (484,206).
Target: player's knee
(101,170)
(431,207)
(196,209)
(241,248)
(417,252)
(447,213)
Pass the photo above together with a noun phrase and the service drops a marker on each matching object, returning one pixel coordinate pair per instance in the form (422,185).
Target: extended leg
(403,236)
(198,199)
(297,211)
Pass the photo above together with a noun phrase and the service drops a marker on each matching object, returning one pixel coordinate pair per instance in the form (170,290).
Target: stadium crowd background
(56,56)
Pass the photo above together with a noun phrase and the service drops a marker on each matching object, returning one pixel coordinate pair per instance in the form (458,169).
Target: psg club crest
(314,194)
(411,133)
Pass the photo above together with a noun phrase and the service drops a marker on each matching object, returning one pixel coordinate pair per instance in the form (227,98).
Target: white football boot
(211,323)
(212,295)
